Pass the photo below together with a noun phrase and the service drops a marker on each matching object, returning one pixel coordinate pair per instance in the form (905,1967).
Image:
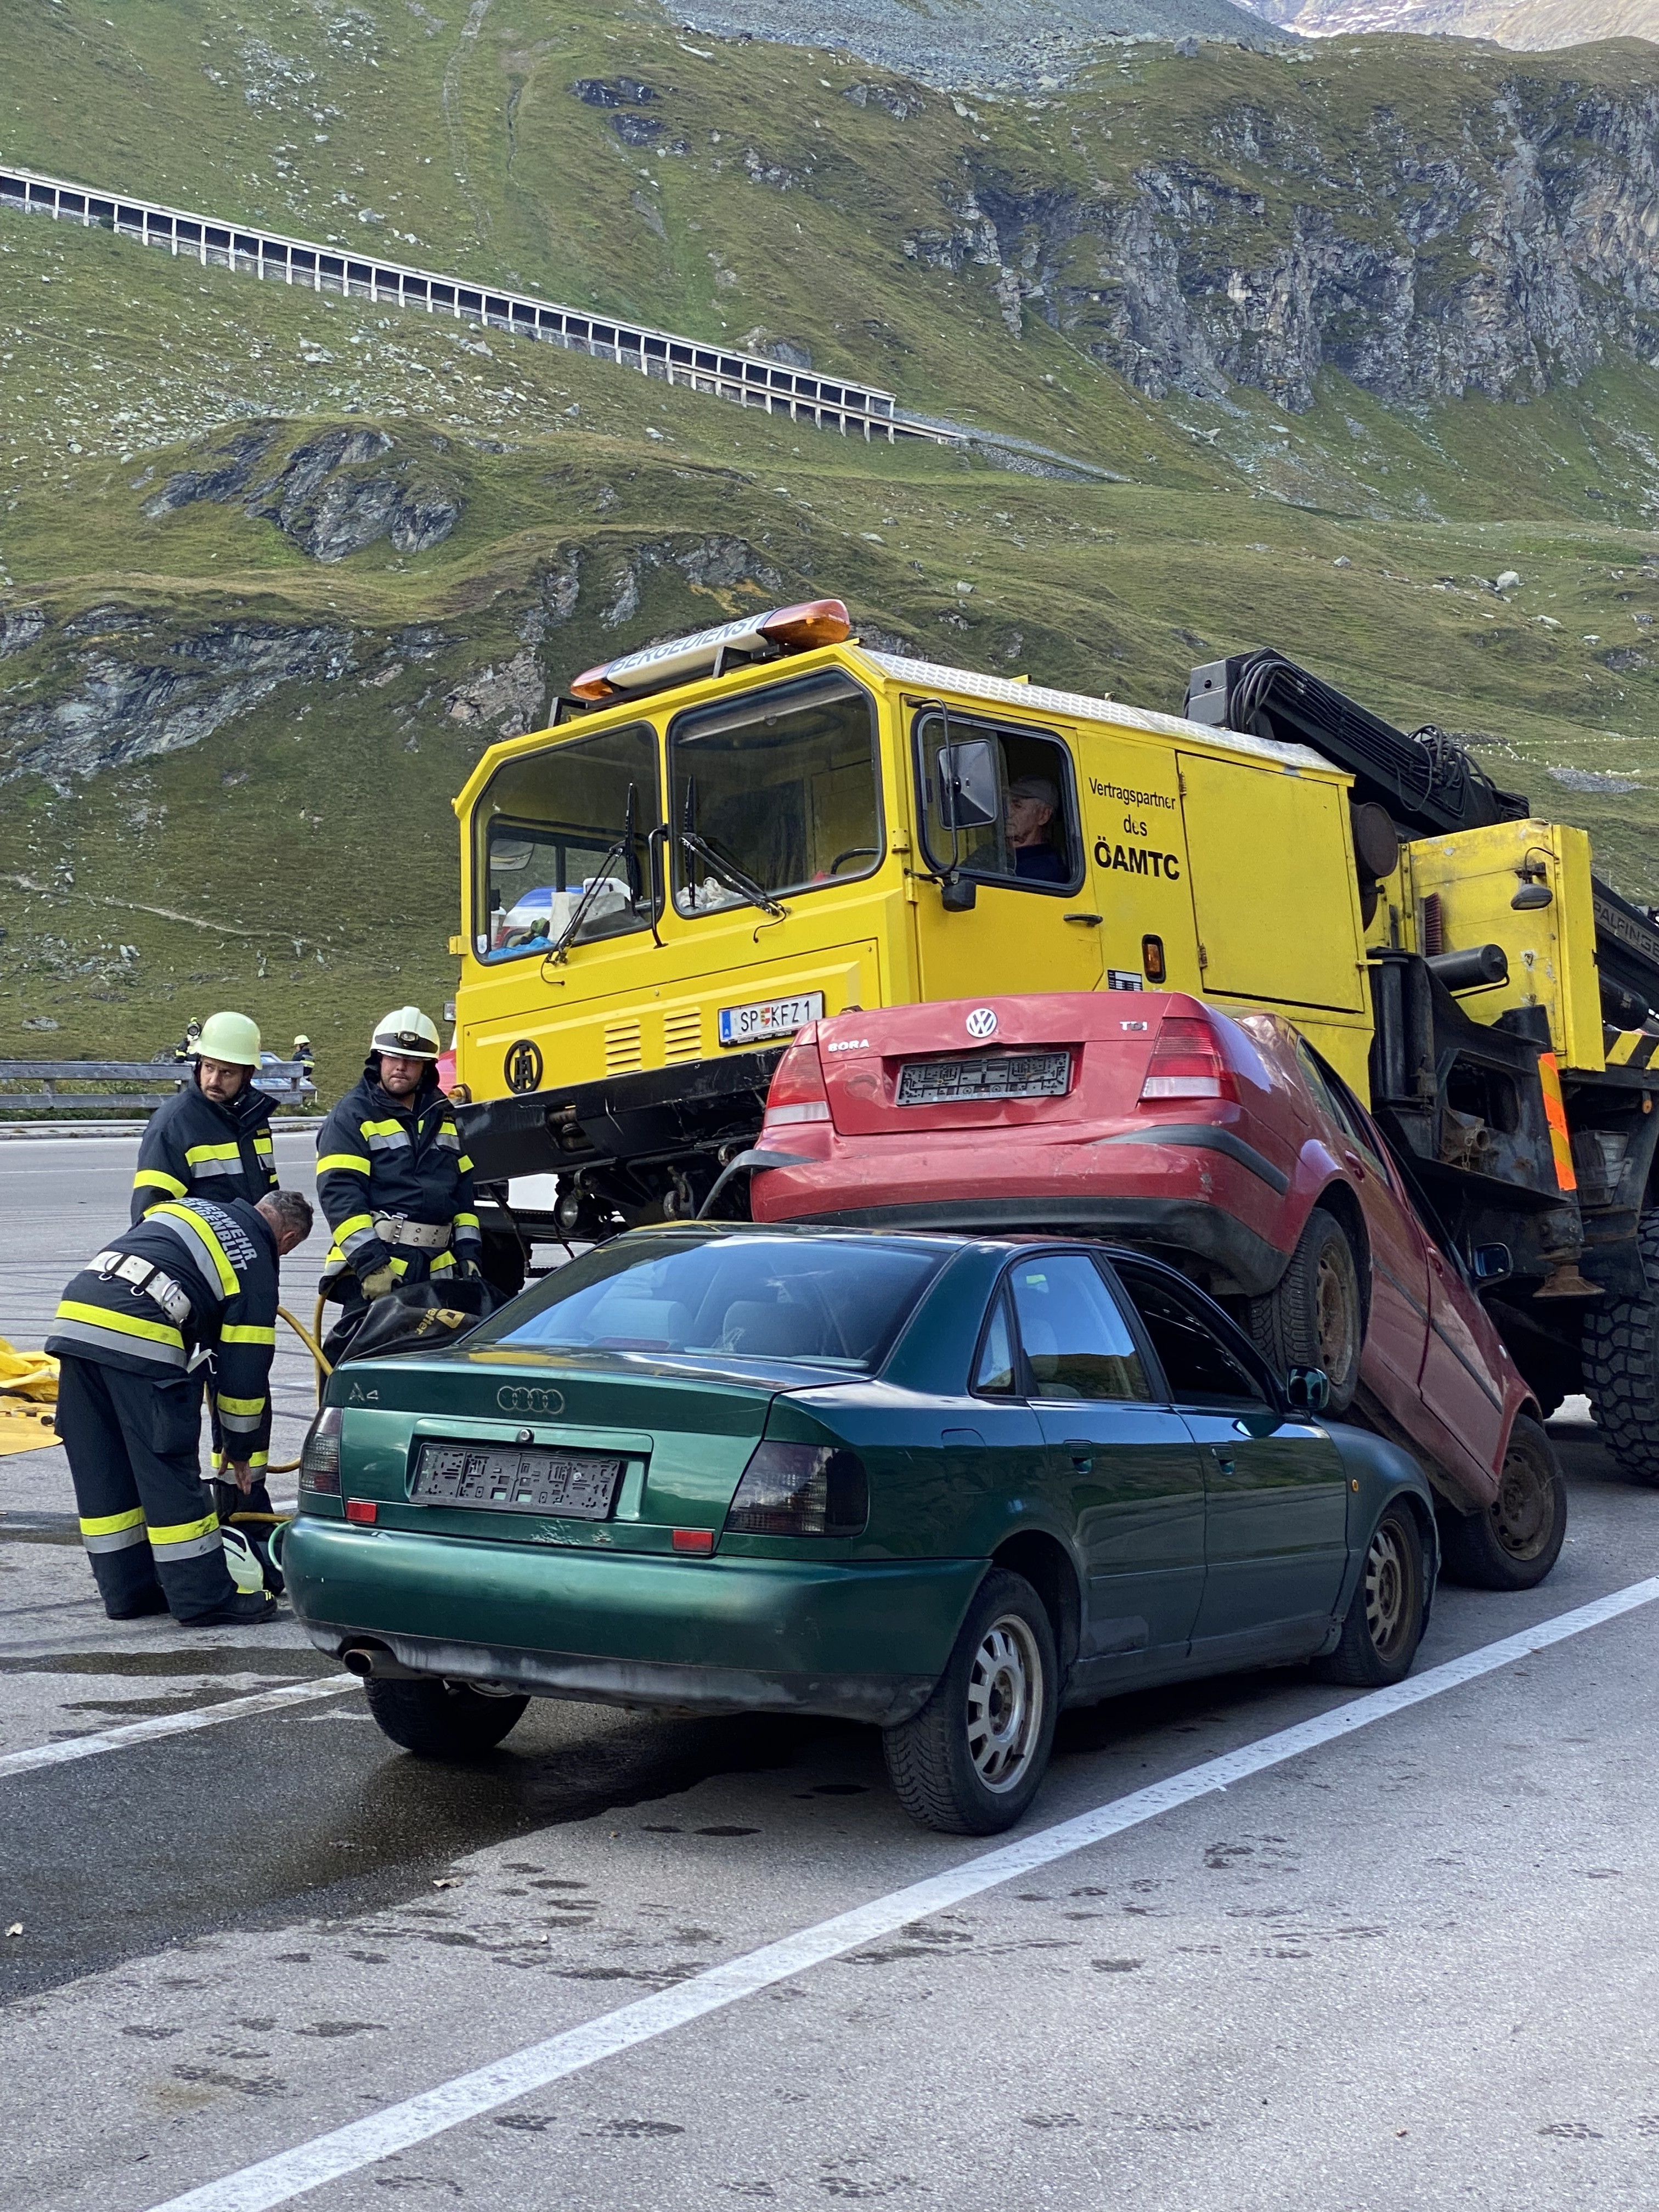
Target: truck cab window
(777,790)
(563,831)
(998,804)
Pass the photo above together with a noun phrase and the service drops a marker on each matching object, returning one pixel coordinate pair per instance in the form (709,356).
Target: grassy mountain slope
(235,759)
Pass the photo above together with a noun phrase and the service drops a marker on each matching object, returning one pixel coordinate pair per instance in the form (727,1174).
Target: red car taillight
(1186,1063)
(797,1092)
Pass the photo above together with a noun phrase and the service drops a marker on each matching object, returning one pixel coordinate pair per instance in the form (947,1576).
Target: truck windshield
(553,831)
(835,1303)
(778,787)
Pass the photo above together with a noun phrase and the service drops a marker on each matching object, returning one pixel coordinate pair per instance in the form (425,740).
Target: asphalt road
(1411,1966)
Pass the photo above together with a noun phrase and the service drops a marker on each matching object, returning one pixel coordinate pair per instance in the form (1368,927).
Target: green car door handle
(1082,1450)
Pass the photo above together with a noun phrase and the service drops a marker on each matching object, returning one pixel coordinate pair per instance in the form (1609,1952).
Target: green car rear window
(831,1304)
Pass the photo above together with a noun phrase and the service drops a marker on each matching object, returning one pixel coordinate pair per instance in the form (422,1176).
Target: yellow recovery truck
(725,837)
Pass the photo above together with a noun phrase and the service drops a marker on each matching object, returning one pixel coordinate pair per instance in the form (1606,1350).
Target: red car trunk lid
(914,1068)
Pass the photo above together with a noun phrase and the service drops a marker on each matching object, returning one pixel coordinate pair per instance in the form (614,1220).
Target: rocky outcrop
(1515,255)
(328,496)
(111,708)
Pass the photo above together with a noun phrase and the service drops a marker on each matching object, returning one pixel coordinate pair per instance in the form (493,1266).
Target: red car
(1225,1144)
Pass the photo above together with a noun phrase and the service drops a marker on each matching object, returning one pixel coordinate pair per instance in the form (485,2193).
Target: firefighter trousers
(147,1517)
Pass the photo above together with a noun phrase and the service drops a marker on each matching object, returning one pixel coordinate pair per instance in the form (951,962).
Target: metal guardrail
(287,1081)
(830,403)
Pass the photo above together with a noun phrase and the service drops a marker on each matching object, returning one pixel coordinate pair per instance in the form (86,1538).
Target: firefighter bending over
(193,1277)
(392,1176)
(213,1139)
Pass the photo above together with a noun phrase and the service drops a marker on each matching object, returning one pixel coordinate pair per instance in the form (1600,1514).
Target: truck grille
(1005,1075)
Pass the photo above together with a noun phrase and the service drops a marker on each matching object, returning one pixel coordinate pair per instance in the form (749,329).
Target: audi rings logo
(983,1021)
(523,1066)
(514,1398)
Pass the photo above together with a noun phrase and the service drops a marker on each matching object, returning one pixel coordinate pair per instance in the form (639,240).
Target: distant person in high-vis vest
(213,1139)
(193,1278)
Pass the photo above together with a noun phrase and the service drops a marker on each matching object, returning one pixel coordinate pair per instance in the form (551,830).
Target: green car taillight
(319,1455)
(801,1489)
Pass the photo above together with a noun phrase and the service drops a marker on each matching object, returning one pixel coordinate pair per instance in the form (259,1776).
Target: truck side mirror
(968,784)
(1493,1264)
(958,893)
(1308,1390)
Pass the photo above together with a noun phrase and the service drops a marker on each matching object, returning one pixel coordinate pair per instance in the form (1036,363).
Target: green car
(944,1485)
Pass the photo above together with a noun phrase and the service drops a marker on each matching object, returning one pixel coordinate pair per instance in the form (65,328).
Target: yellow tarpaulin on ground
(28,1387)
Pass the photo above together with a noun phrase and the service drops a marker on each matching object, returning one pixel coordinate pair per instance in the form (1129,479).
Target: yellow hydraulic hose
(308,1338)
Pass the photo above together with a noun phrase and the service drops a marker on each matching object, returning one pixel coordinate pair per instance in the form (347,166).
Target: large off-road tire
(970,1761)
(1315,1315)
(442,1720)
(1621,1367)
(1384,1623)
(1513,1545)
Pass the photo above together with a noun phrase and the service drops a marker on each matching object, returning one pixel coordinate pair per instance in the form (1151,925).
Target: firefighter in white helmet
(213,1139)
(391,1176)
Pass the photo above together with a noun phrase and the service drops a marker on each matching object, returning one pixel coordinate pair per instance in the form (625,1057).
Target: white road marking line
(363,2142)
(160,1724)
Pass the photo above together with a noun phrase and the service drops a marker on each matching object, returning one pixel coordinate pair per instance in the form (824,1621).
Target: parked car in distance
(1226,1145)
(945,1484)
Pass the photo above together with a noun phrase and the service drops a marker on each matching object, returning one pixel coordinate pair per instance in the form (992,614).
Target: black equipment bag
(415,1317)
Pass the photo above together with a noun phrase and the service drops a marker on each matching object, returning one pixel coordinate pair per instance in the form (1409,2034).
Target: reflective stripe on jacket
(194,1146)
(377,1155)
(224,1260)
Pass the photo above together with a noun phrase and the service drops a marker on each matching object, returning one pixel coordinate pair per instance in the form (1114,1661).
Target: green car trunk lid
(684,1441)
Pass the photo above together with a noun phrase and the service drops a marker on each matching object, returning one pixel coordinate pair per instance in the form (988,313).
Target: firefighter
(193,1277)
(392,1176)
(213,1139)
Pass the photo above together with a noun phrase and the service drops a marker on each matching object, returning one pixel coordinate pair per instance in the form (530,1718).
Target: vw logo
(515,1398)
(523,1066)
(983,1021)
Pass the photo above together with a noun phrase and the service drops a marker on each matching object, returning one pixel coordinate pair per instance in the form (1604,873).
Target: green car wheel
(442,1720)
(1384,1623)
(970,1761)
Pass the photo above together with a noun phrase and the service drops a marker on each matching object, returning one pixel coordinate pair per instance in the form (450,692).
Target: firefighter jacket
(389,1169)
(192,1276)
(196,1148)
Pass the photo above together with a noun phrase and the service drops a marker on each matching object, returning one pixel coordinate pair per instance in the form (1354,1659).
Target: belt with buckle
(151,1281)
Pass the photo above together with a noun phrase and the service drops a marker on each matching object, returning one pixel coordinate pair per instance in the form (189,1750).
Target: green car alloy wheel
(970,1761)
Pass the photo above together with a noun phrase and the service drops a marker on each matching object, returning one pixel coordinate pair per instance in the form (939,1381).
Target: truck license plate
(579,1486)
(769,1017)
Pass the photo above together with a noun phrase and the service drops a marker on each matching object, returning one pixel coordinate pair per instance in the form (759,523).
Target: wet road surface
(1413,1967)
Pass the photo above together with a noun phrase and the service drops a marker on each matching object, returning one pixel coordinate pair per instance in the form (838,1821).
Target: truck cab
(743,831)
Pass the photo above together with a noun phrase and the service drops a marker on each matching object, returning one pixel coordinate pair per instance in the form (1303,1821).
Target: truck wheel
(1621,1367)
(1384,1623)
(1515,1542)
(970,1761)
(442,1720)
(1314,1316)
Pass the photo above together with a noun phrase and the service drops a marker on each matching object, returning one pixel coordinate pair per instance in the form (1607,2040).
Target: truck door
(999,810)
(1273,884)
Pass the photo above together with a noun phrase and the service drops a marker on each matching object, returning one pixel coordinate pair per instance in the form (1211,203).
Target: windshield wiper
(622,850)
(725,871)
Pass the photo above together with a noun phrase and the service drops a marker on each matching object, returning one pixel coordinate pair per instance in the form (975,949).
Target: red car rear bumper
(1197,1188)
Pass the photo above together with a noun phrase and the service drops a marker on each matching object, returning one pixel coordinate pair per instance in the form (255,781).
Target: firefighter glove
(380,1281)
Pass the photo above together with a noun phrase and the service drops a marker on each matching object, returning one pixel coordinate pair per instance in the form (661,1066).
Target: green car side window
(994,1376)
(1076,1342)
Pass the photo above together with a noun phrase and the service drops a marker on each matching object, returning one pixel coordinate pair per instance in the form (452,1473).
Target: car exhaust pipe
(372,1663)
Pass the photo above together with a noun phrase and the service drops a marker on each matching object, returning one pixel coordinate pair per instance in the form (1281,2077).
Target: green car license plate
(509,1479)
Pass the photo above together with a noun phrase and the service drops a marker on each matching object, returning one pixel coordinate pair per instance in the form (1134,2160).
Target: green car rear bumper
(864,1643)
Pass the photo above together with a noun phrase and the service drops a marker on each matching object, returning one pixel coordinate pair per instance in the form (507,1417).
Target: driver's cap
(407,1032)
